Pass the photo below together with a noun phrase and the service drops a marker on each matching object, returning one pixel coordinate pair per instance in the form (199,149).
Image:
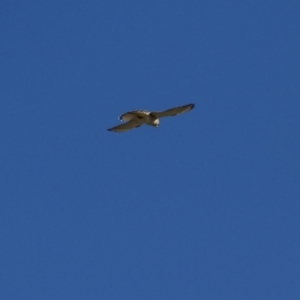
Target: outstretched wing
(173,111)
(133,114)
(127,126)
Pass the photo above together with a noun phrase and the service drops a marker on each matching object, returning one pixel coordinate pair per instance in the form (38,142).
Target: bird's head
(156,123)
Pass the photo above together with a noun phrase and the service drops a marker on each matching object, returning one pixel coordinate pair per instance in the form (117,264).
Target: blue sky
(204,207)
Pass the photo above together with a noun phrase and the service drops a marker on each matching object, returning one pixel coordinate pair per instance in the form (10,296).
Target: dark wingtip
(192,105)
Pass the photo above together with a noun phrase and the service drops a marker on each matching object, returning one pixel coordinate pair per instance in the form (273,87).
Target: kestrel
(137,118)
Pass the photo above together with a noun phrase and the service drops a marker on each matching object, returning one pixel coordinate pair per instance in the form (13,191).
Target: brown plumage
(137,118)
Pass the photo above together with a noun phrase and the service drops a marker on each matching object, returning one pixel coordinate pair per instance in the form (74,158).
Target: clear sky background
(207,206)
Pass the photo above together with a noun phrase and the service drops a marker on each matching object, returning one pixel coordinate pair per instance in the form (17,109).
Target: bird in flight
(136,118)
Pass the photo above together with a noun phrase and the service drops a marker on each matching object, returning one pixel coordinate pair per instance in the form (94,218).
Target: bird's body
(137,118)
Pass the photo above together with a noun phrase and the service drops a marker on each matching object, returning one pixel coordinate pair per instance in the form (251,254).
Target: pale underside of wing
(133,114)
(126,126)
(173,111)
